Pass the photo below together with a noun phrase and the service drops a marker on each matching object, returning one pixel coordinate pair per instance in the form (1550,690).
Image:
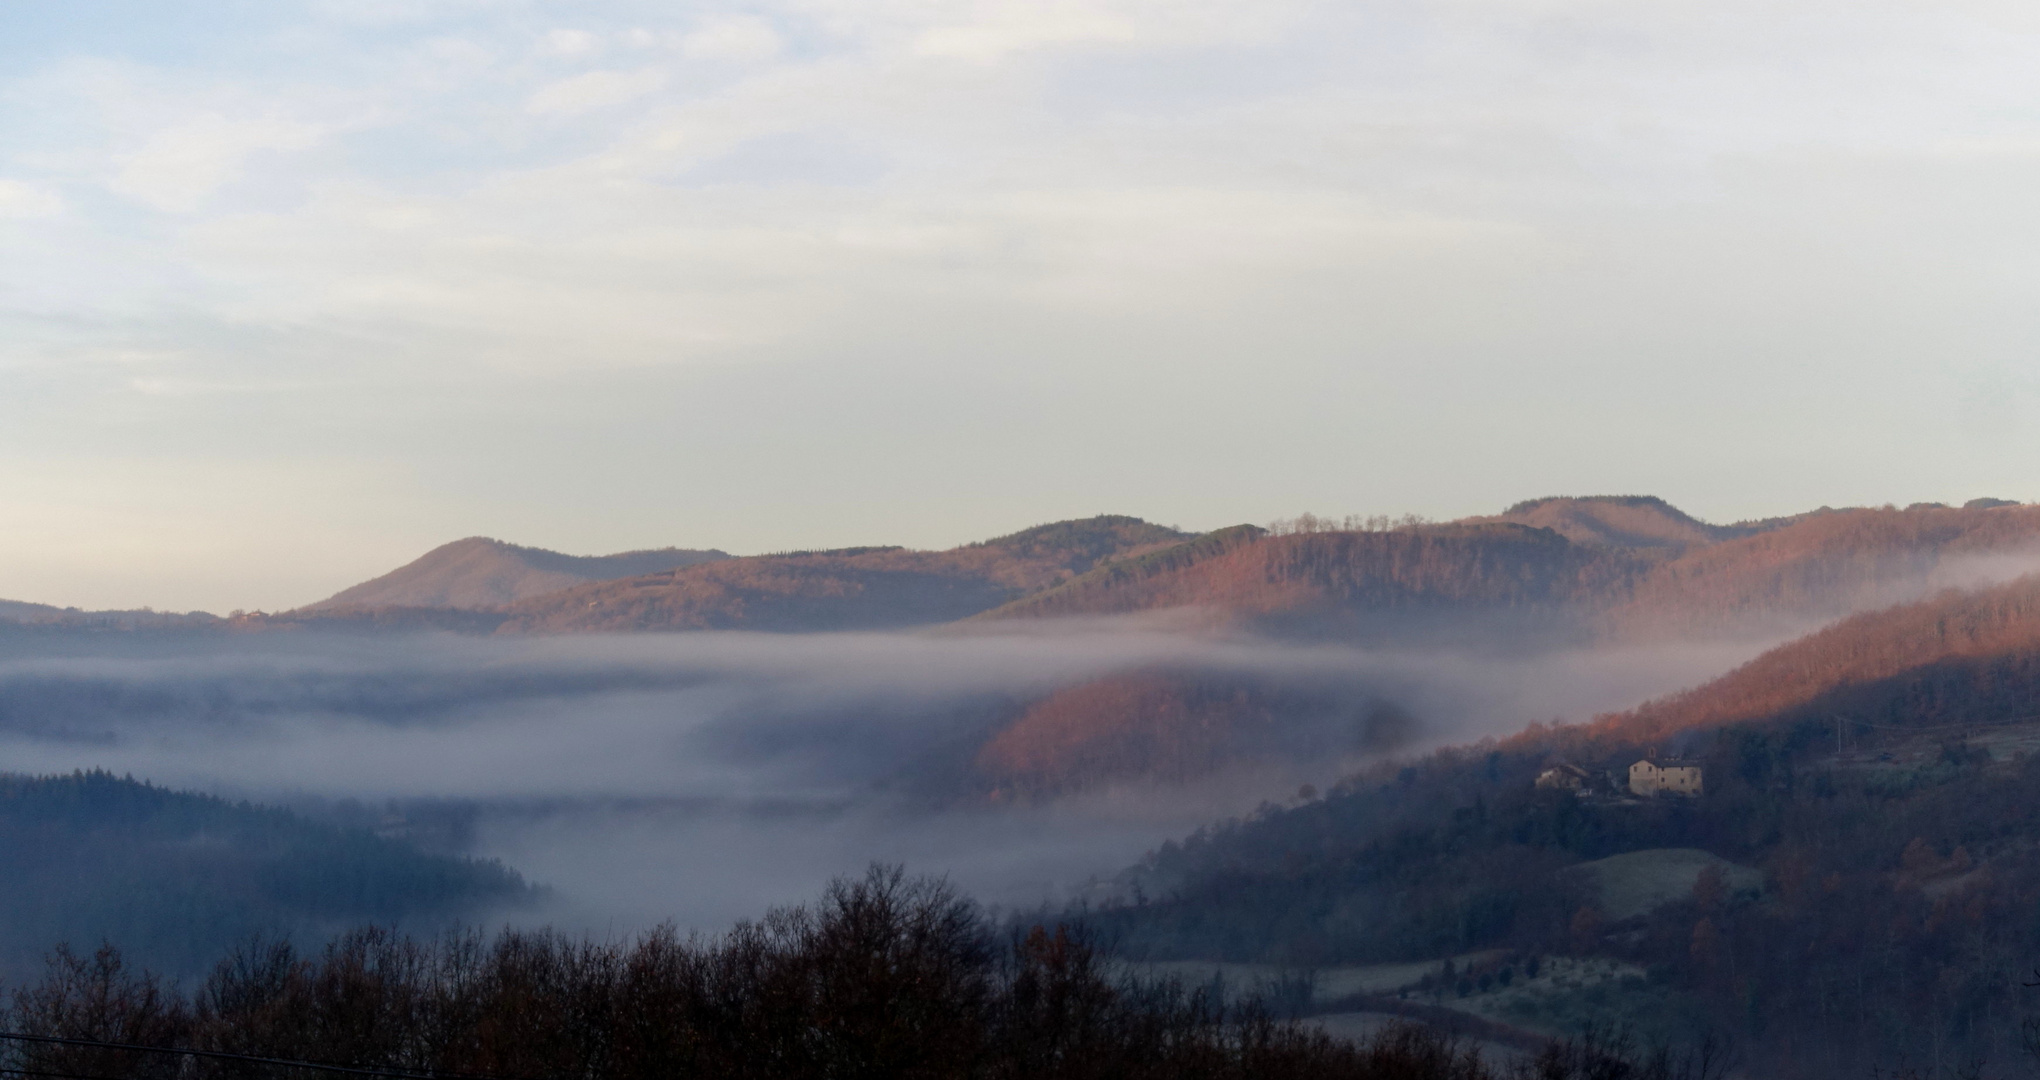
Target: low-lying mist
(700,777)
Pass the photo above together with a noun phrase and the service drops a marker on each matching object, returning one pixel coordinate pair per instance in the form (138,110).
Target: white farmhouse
(1668,776)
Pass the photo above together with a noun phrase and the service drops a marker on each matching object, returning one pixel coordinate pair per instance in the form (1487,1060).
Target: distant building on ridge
(1667,776)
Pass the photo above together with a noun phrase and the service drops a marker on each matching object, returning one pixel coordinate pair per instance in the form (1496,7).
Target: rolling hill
(1330,583)
(1959,657)
(19,616)
(24,612)
(1624,521)
(1823,566)
(1547,572)
(1634,568)
(1495,582)
(1179,726)
(479,573)
(848,589)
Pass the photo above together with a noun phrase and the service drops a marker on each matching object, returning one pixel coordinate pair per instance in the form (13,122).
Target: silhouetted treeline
(886,977)
(177,877)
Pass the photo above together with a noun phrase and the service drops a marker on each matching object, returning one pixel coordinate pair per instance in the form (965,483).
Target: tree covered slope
(1879,781)
(174,878)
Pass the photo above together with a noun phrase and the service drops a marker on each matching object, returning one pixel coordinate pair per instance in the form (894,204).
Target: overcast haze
(290,292)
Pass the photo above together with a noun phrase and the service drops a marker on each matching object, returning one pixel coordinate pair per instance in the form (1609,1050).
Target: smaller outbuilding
(1563,777)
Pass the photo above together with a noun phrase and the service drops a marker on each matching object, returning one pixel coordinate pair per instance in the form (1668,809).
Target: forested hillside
(1394,581)
(1960,657)
(1545,573)
(1883,776)
(1824,565)
(1181,725)
(176,878)
(1665,576)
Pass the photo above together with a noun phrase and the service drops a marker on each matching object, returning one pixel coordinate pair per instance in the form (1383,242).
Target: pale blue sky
(290,292)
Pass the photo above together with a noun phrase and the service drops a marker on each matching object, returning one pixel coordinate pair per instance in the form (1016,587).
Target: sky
(294,290)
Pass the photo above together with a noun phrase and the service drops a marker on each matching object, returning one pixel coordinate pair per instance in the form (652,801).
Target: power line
(224,1055)
(60,1075)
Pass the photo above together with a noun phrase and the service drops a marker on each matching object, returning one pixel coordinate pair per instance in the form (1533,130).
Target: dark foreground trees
(885,977)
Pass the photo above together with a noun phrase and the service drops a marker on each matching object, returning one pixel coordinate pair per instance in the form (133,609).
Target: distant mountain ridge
(1627,521)
(23,611)
(1556,570)
(847,589)
(479,573)
(24,614)
(1643,570)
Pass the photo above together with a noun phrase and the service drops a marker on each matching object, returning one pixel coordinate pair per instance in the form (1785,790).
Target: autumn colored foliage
(1640,572)
(1956,657)
(1550,570)
(1165,726)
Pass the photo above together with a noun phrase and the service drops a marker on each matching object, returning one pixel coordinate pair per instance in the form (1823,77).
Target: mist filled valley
(1389,762)
(699,777)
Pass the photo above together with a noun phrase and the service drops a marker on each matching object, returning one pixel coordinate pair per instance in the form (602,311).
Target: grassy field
(1556,996)
(1326,984)
(1504,995)
(1360,1026)
(1642,881)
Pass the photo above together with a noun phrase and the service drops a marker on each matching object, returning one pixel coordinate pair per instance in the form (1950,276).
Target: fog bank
(699,777)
